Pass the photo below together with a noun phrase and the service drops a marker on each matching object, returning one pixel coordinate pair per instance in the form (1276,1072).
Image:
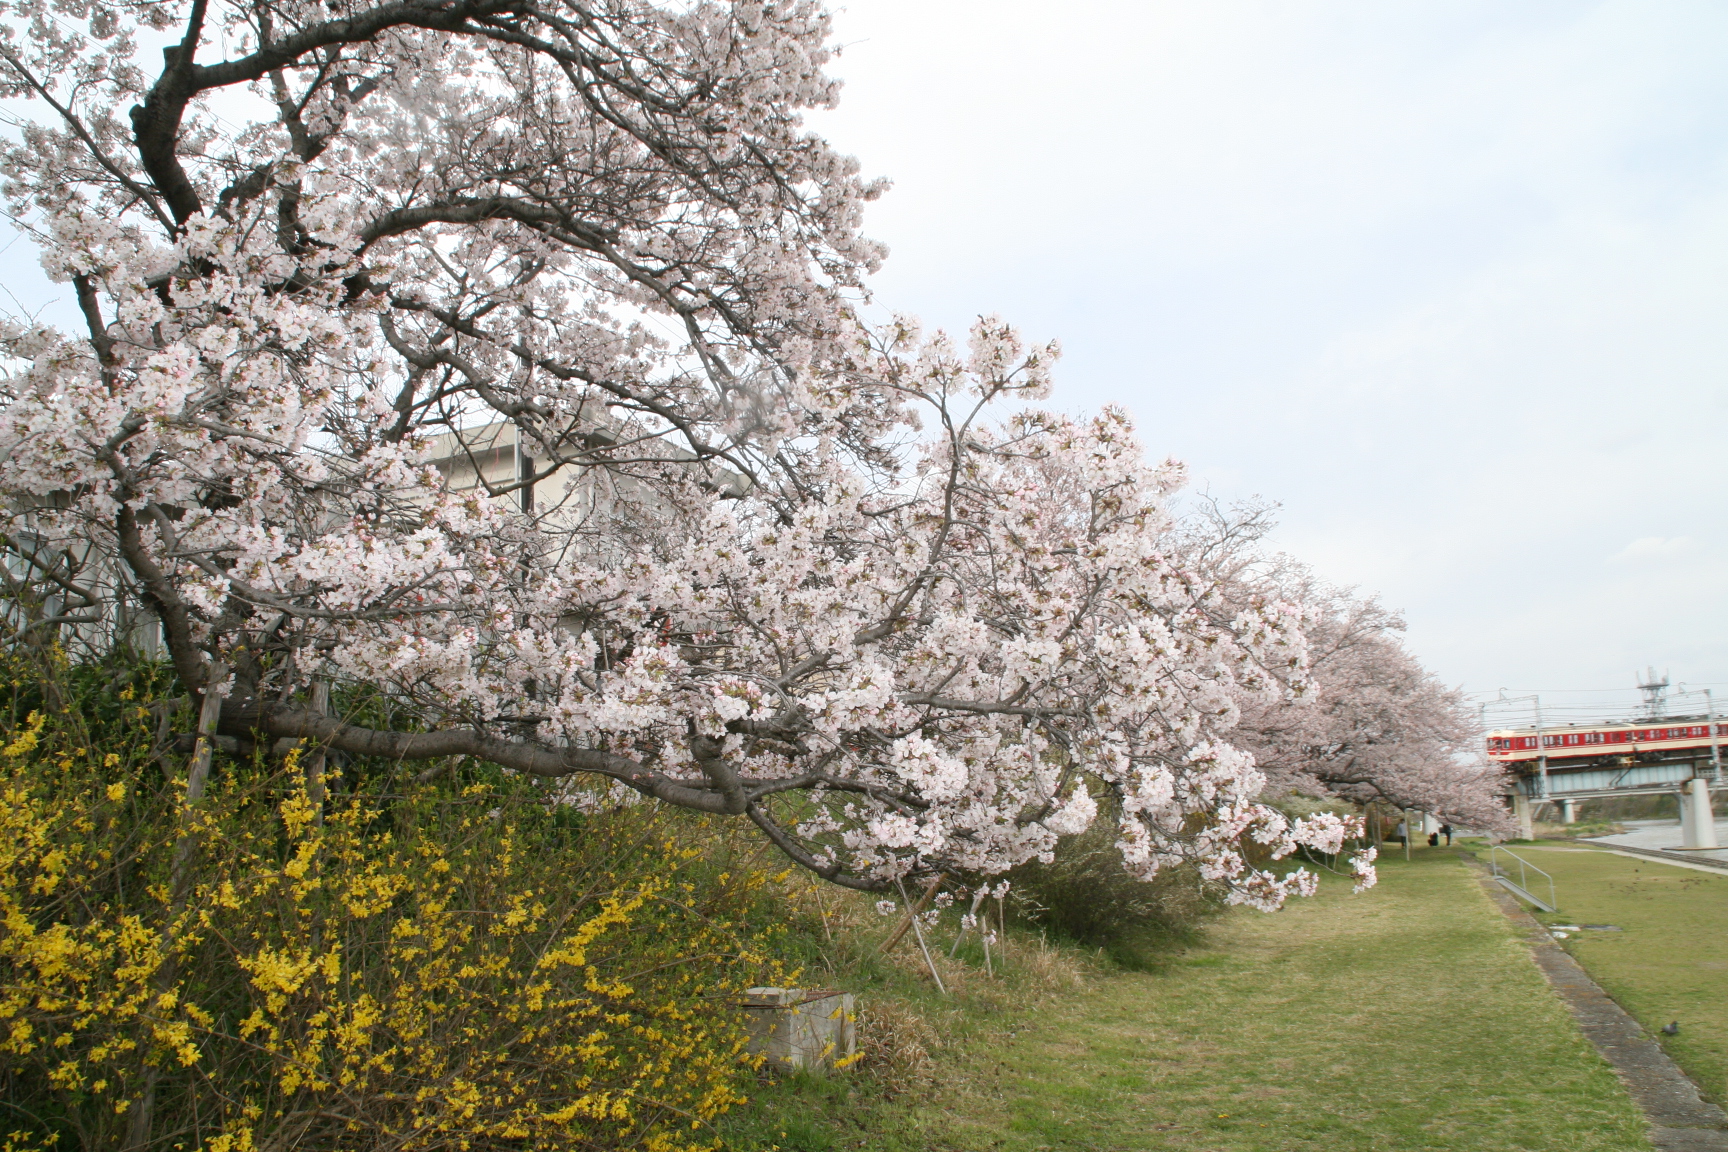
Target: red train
(1574,740)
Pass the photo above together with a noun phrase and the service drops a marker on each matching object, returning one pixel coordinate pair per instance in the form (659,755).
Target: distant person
(1446,831)
(1403,834)
(1433,839)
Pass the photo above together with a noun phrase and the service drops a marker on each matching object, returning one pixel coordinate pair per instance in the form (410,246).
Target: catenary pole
(1715,738)
(1542,753)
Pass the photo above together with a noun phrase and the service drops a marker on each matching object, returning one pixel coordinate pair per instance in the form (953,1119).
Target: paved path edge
(1667,857)
(1680,1120)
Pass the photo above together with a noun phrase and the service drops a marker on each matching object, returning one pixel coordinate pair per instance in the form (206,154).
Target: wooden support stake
(822,907)
(315,787)
(918,931)
(977,899)
(929,893)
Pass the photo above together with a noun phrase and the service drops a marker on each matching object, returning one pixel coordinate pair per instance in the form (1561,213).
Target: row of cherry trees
(839,579)
(1377,726)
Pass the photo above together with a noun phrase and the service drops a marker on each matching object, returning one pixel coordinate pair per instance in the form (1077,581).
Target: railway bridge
(1560,766)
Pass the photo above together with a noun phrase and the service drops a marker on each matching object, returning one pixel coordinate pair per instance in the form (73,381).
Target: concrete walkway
(1657,835)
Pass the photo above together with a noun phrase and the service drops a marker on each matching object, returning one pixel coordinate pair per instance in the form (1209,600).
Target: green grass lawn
(1409,1017)
(1670,959)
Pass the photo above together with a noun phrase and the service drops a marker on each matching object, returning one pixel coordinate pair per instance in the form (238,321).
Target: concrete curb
(1680,1121)
(1662,855)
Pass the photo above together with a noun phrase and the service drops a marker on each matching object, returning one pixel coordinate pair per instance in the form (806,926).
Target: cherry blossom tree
(1377,725)
(756,558)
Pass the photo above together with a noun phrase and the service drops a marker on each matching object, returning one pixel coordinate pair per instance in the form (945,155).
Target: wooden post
(977,900)
(315,789)
(1002,930)
(911,914)
(918,931)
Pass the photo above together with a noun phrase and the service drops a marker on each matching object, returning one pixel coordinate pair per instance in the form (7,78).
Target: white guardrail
(1522,884)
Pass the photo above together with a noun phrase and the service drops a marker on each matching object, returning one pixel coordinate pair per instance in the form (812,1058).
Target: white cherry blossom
(739,551)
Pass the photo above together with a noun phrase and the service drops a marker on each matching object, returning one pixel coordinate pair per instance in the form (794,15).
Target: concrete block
(802,1027)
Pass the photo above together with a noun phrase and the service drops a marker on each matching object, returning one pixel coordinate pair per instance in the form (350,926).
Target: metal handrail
(1523,865)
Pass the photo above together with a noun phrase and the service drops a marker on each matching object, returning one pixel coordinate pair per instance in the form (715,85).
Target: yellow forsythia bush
(460,966)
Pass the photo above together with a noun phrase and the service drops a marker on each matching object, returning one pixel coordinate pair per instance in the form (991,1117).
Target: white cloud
(1647,548)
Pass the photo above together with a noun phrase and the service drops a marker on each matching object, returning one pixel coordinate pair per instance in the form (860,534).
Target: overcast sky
(1447,280)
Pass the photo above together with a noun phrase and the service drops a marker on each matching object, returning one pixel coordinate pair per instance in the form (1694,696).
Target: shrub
(1085,896)
(460,966)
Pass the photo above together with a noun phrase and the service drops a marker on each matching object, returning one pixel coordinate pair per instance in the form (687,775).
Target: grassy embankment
(1669,961)
(1407,1018)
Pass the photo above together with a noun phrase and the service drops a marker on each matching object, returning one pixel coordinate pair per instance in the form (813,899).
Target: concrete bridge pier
(1697,822)
(1521,813)
(1568,811)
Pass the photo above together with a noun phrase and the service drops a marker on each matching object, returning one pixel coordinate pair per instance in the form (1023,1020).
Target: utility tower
(1655,695)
